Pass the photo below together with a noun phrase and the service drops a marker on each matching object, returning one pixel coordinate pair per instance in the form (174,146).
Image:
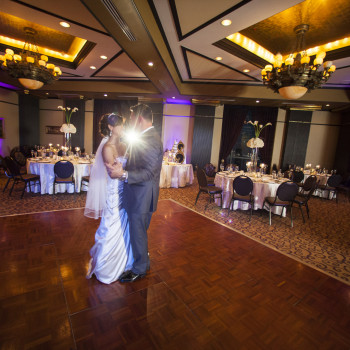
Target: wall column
(215,146)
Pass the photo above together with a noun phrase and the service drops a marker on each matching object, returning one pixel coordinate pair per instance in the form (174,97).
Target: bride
(111,254)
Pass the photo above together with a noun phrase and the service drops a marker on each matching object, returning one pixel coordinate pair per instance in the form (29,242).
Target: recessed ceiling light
(226,22)
(65,24)
(246,70)
(327,105)
(105,95)
(103,57)
(218,58)
(150,64)
(257,101)
(92,67)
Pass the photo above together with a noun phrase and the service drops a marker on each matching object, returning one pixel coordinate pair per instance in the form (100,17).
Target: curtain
(266,115)
(233,120)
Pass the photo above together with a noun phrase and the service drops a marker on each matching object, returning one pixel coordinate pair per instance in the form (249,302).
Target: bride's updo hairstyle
(109,119)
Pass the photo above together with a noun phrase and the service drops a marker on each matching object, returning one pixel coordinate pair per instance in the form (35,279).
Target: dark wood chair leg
(197,197)
(301,210)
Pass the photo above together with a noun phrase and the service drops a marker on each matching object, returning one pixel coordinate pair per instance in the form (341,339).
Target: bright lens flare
(132,137)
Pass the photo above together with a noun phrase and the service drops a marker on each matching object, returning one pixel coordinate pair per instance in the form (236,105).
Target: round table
(176,175)
(263,187)
(44,168)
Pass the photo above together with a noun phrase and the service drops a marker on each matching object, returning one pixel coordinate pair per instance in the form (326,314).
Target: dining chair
(344,187)
(298,177)
(302,198)
(17,177)
(64,171)
(210,172)
(204,188)
(285,195)
(331,186)
(242,191)
(84,180)
(308,184)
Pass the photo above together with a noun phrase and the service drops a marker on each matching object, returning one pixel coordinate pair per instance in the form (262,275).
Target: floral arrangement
(257,142)
(68,127)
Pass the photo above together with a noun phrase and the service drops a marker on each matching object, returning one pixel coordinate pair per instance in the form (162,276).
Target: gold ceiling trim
(258,50)
(69,56)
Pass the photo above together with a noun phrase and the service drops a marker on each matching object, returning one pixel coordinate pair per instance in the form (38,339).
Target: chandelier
(29,67)
(296,75)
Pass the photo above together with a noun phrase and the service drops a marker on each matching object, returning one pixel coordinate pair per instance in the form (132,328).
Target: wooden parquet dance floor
(209,288)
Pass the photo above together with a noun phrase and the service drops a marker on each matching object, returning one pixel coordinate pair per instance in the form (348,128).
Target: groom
(141,188)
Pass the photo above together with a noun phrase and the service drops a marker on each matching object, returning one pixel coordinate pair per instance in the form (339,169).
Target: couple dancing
(124,193)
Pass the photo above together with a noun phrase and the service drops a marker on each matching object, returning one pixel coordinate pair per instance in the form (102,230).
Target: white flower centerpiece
(256,142)
(68,128)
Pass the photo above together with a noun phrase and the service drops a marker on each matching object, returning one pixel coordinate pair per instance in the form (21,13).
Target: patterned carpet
(323,242)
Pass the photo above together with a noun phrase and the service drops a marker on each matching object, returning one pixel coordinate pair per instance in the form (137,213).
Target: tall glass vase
(68,141)
(254,160)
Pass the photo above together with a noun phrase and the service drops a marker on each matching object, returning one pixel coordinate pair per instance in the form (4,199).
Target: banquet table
(262,187)
(44,168)
(176,175)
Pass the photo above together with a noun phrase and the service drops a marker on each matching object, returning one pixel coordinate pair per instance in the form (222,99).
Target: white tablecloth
(47,176)
(178,175)
(260,191)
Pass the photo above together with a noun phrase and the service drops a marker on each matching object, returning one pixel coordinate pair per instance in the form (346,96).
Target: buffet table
(263,187)
(176,175)
(44,168)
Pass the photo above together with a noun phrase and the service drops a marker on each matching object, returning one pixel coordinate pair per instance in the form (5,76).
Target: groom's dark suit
(141,193)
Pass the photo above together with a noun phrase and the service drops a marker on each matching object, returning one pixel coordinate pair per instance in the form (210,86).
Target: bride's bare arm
(114,168)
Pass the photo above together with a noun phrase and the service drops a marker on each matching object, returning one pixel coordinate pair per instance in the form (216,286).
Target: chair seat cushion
(271,201)
(214,189)
(63,180)
(30,177)
(325,187)
(238,197)
(300,199)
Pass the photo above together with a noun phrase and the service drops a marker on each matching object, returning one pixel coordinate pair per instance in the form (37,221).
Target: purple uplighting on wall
(8,86)
(178,102)
(1,136)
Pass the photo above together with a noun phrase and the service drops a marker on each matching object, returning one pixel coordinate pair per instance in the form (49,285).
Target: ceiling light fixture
(226,22)
(29,67)
(92,67)
(295,76)
(103,57)
(105,95)
(246,70)
(218,58)
(150,64)
(64,24)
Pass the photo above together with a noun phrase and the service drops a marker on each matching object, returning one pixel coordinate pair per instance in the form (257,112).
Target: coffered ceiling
(182,38)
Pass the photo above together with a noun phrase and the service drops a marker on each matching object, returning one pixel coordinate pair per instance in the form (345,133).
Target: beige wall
(277,146)
(178,125)
(88,133)
(50,116)
(323,139)
(9,113)
(215,147)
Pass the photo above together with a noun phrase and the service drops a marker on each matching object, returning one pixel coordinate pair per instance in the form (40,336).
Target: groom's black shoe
(130,276)
(125,273)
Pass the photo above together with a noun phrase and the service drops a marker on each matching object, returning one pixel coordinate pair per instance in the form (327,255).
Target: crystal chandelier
(295,76)
(29,67)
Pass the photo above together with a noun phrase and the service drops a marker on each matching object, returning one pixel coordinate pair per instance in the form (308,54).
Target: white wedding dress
(111,254)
